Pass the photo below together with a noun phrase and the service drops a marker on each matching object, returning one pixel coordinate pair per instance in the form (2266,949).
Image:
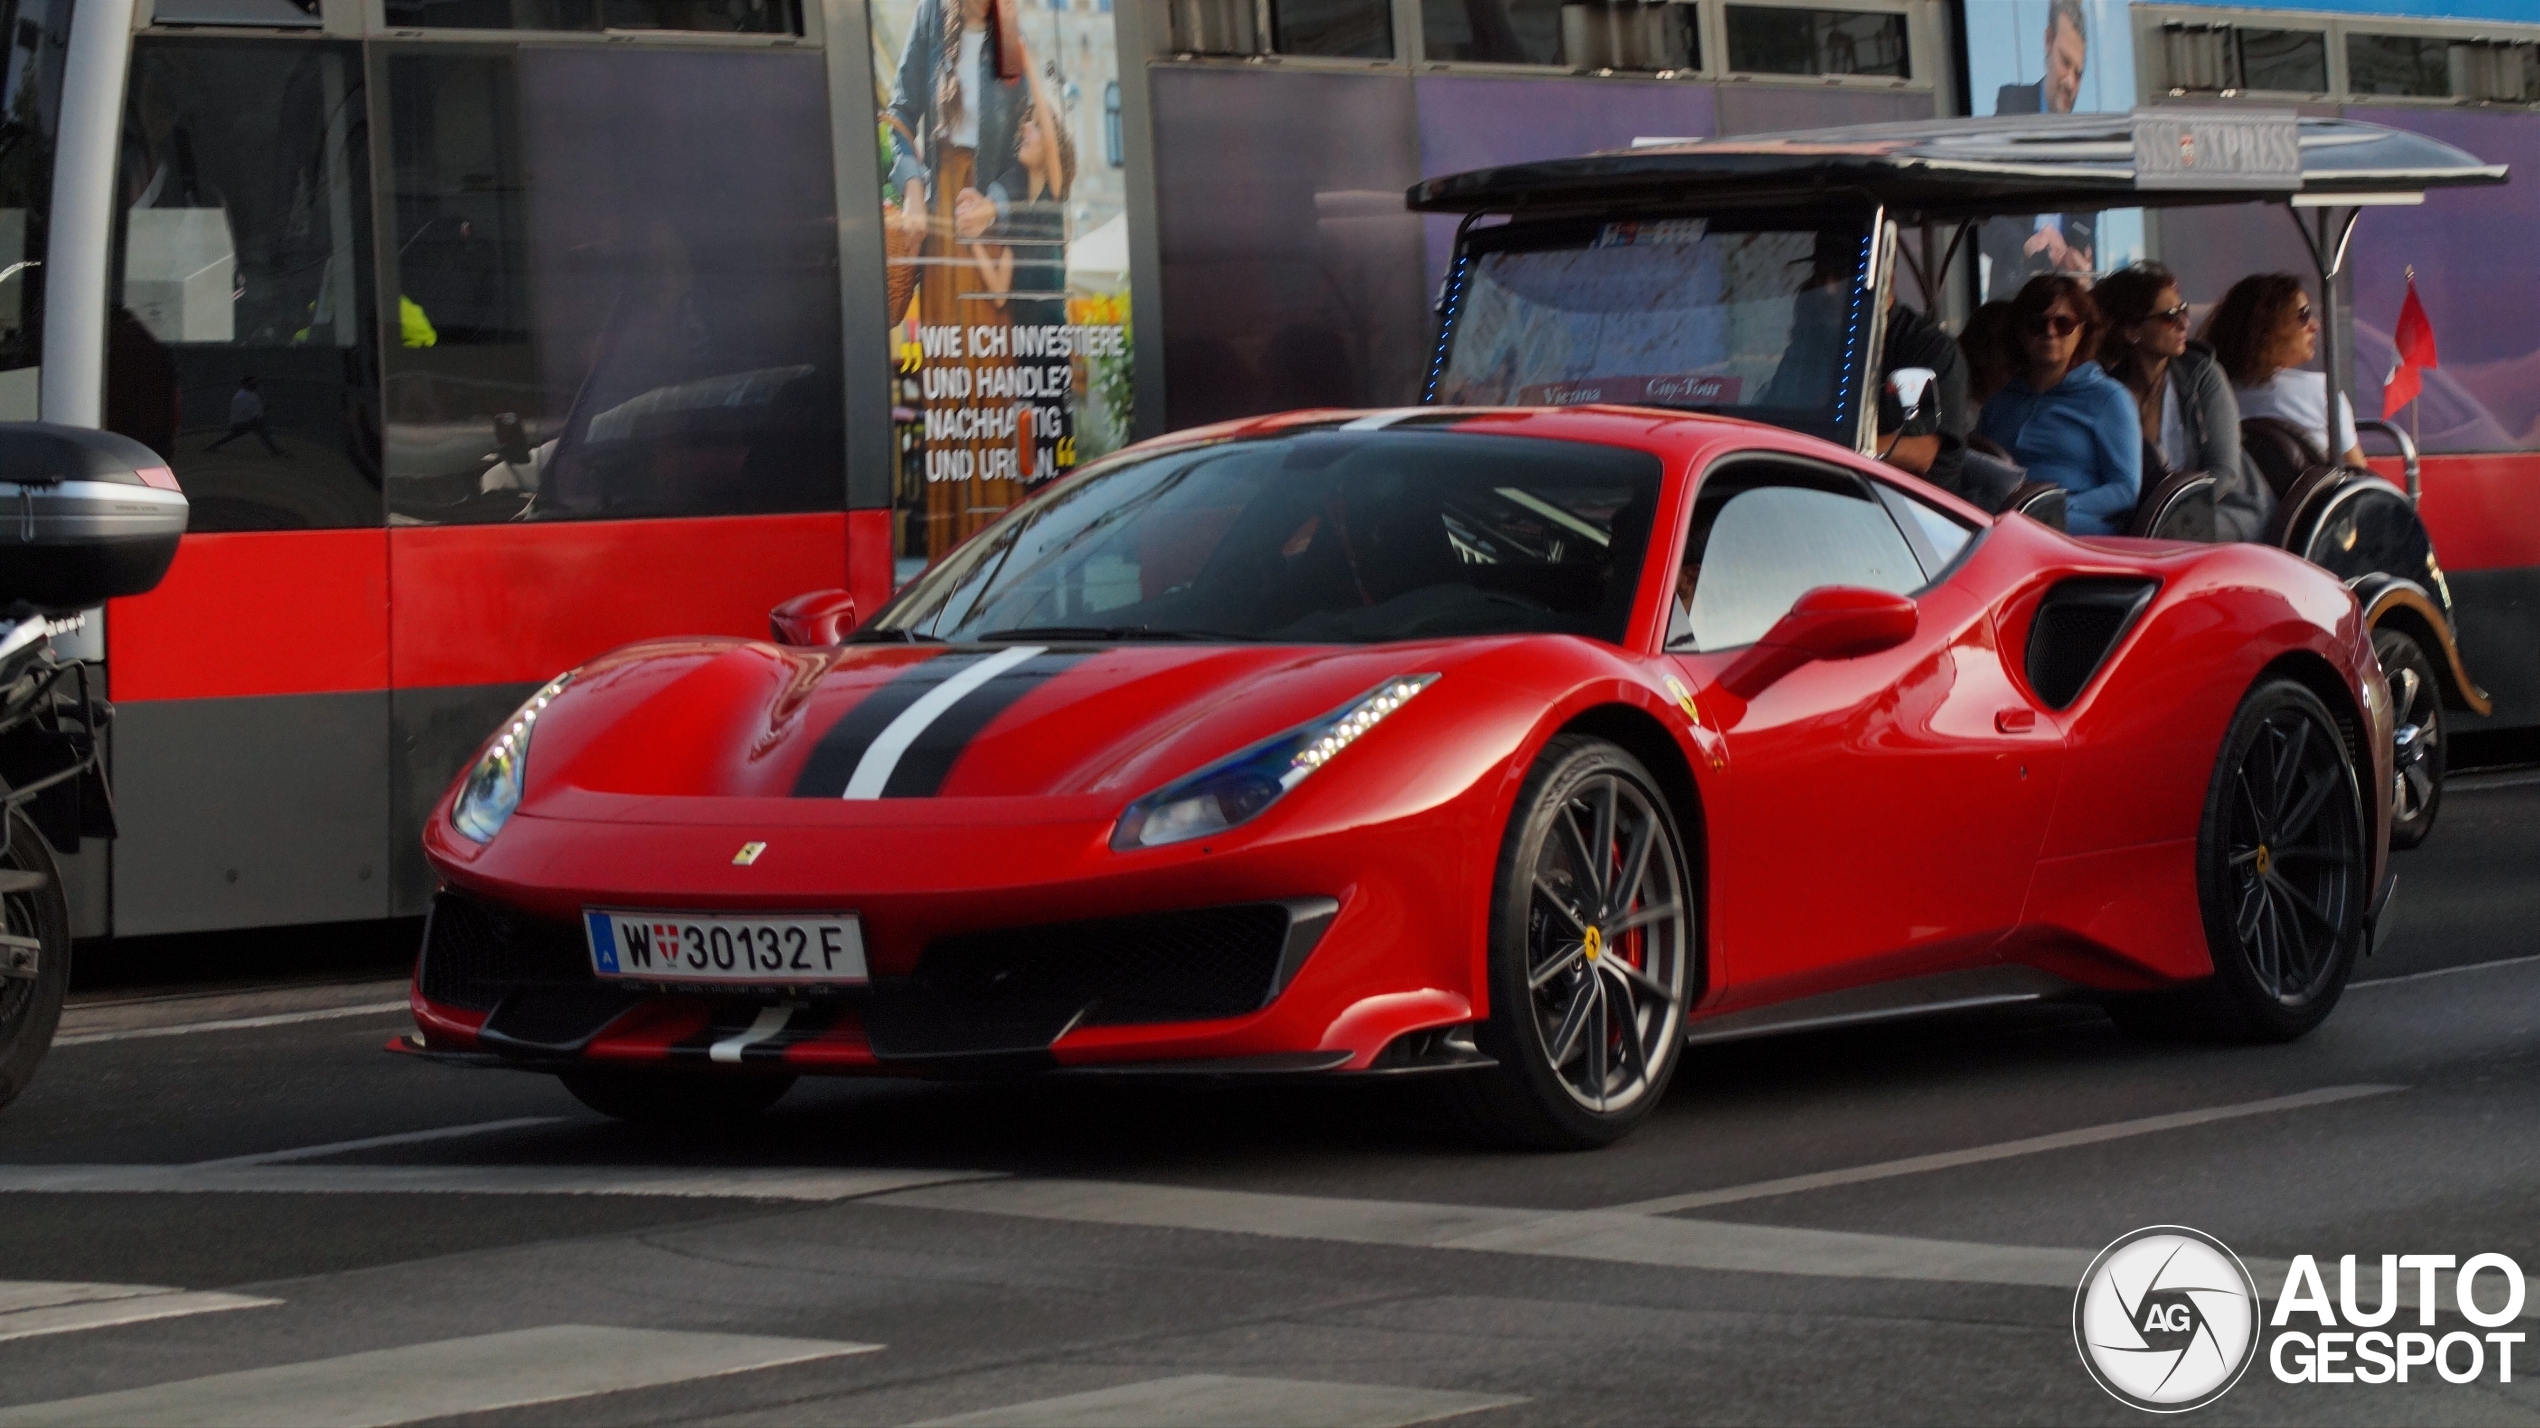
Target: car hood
(755,720)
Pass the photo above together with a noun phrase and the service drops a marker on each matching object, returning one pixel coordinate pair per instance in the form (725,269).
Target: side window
(1937,536)
(1762,540)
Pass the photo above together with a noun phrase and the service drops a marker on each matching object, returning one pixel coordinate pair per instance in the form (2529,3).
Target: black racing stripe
(834,758)
(926,763)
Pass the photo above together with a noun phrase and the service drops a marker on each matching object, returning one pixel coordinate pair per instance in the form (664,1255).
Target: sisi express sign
(2167,1319)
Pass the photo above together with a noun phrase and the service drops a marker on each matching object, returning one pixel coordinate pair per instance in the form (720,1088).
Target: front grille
(474,952)
(1017,989)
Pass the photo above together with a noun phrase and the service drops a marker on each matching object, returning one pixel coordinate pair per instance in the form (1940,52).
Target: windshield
(1753,322)
(1337,537)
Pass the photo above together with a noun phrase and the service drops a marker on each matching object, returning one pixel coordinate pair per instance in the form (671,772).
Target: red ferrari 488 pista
(1513,748)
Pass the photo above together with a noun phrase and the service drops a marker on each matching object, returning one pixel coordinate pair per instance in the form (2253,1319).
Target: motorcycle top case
(85,516)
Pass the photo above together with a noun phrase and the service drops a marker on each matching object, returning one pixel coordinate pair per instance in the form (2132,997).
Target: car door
(1878,815)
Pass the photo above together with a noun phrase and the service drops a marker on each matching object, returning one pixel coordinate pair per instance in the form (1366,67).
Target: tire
(1587,1017)
(30,1007)
(2416,708)
(677,1100)
(2283,919)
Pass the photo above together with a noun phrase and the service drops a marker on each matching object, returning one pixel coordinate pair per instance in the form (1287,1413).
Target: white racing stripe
(2004,1150)
(436,1380)
(1208,1400)
(873,771)
(769,1022)
(241,1023)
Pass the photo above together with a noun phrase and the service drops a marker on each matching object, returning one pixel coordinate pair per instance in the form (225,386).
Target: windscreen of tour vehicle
(1322,537)
(1763,321)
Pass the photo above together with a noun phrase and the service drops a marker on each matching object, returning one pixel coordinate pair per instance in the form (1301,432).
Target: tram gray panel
(251,812)
(1764,109)
(1292,272)
(435,730)
(2499,616)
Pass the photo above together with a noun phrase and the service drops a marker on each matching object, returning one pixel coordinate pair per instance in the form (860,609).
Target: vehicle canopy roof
(1947,169)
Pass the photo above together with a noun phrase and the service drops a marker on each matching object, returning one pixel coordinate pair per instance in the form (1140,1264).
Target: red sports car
(1515,748)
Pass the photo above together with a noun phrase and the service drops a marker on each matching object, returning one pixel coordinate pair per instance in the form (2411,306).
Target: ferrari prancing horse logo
(748,854)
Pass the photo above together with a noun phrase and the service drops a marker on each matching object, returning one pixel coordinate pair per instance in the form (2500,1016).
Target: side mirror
(1909,384)
(823,617)
(1829,622)
(85,516)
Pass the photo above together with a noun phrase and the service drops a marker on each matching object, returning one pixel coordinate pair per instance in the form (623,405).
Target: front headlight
(494,786)
(1243,783)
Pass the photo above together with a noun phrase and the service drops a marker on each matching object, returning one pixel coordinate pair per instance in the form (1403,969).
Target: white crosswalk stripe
(1207,1400)
(435,1380)
(29,1308)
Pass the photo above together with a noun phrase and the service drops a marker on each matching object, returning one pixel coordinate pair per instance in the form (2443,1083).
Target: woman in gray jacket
(2190,419)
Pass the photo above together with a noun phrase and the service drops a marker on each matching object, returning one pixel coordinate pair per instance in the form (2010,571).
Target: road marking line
(2445,972)
(768,1022)
(17,1294)
(242,1023)
(2005,1150)
(771,1183)
(1565,1234)
(346,1147)
(436,1380)
(1207,1400)
(142,1304)
(2472,783)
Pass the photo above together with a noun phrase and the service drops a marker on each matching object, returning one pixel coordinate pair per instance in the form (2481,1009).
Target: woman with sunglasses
(2263,331)
(2062,417)
(2191,422)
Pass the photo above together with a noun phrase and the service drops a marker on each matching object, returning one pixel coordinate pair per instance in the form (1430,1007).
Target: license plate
(750,951)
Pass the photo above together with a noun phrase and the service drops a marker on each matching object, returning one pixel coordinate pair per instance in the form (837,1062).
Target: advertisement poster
(1003,206)
(2052,57)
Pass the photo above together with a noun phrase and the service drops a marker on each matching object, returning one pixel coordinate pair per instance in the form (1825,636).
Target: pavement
(233,1208)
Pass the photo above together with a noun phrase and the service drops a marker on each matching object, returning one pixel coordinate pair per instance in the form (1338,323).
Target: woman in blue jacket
(2062,416)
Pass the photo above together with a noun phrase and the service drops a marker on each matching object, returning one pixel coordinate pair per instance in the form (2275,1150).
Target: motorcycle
(85,517)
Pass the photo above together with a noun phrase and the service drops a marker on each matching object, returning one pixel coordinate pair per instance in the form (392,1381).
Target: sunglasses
(2053,325)
(2174,316)
(2304,316)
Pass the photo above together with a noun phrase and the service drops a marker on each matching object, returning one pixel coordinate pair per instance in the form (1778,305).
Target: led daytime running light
(1239,786)
(494,786)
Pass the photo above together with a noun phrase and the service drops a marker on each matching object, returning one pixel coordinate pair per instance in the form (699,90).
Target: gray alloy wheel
(2282,861)
(2416,707)
(30,994)
(1591,958)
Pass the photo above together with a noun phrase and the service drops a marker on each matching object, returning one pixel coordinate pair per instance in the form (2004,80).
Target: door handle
(2018,719)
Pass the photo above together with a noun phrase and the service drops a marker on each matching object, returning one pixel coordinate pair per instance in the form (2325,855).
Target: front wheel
(35,957)
(1591,955)
(2282,863)
(2416,712)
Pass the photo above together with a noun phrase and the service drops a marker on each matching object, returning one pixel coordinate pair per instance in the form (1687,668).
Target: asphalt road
(268,1222)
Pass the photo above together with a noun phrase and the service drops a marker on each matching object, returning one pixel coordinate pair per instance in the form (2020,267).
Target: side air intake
(2077,624)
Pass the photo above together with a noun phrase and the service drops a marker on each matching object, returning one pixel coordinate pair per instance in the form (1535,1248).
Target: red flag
(2414,342)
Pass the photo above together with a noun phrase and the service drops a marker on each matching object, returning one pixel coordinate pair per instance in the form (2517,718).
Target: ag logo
(2166,1319)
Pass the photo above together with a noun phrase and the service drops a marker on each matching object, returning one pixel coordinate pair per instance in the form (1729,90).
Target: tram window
(35,34)
(1772,40)
(1336,29)
(2399,64)
(617,287)
(240,344)
(1492,31)
(2283,61)
(744,17)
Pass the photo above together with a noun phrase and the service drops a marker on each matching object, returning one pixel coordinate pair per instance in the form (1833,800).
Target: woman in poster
(1027,266)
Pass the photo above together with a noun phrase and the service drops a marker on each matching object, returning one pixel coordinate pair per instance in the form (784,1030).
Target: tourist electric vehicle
(1510,747)
(1681,274)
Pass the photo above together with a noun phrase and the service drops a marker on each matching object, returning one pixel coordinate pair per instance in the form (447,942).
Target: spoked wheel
(35,958)
(2282,863)
(1591,958)
(2416,706)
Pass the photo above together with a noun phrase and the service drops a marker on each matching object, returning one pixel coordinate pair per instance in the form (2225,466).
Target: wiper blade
(1100,632)
(897,637)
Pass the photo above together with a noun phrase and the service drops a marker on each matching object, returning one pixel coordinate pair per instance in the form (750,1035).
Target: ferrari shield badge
(748,854)
(1684,699)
